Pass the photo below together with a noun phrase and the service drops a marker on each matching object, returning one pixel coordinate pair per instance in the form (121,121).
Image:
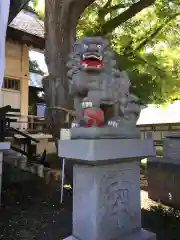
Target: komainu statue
(103,105)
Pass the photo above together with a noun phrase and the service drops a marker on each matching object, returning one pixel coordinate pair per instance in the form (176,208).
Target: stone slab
(172,134)
(99,151)
(161,163)
(105,132)
(164,182)
(5,146)
(142,235)
(165,160)
(171,149)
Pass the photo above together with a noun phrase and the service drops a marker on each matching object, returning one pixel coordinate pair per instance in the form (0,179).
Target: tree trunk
(61,18)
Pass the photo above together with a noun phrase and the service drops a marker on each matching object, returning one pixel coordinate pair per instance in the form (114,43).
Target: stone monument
(103,105)
(106,147)
(164,172)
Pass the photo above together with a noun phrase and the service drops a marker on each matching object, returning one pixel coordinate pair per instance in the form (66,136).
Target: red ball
(93,117)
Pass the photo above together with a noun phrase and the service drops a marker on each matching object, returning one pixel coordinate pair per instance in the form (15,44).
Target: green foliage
(165,211)
(34,67)
(37,7)
(147,42)
(147,45)
(170,218)
(162,220)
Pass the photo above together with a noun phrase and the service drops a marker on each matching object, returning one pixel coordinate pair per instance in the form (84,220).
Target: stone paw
(74,125)
(113,124)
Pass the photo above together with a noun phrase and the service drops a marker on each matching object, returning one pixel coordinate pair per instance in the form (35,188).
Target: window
(149,135)
(10,83)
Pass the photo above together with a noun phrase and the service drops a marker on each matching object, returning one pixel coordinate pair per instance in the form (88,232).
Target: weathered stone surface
(106,187)
(171,134)
(4,146)
(164,182)
(106,201)
(164,172)
(96,84)
(105,151)
(171,149)
(105,132)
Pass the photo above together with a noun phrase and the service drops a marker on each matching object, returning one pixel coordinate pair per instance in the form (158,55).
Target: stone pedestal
(171,147)
(106,194)
(3,147)
(164,172)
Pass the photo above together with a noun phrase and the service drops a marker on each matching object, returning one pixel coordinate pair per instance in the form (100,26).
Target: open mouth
(92,61)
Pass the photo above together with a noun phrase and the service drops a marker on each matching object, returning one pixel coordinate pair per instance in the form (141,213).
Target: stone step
(50,175)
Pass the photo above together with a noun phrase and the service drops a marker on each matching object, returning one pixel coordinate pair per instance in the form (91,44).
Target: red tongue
(92,63)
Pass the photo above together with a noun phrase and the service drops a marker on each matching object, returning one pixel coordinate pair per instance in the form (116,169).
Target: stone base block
(122,132)
(142,235)
(105,151)
(164,182)
(171,149)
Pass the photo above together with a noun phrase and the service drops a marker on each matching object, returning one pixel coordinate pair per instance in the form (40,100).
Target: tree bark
(61,18)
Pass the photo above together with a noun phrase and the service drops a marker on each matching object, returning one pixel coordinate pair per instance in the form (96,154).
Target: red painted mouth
(94,62)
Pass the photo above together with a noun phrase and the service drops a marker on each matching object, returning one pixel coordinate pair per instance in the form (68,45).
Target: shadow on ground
(31,210)
(164,221)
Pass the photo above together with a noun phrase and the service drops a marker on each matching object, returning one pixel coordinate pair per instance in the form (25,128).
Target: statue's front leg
(115,119)
(78,112)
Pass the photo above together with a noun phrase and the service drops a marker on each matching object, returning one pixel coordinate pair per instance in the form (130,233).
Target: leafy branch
(154,33)
(108,9)
(135,8)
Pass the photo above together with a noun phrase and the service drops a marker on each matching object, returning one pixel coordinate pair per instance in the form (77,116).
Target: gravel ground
(146,203)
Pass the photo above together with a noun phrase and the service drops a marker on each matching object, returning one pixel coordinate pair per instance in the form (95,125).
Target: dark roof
(15,7)
(29,23)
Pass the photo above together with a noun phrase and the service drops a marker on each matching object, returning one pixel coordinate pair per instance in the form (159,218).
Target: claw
(74,125)
(109,123)
(89,104)
(112,124)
